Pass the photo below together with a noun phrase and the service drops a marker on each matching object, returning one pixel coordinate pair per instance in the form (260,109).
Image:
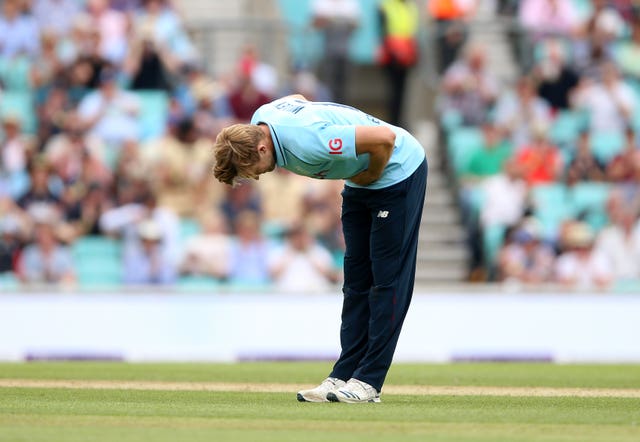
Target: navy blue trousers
(381,234)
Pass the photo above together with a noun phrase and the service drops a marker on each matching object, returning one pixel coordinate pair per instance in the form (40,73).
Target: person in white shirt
(620,241)
(610,102)
(302,265)
(581,266)
(337,19)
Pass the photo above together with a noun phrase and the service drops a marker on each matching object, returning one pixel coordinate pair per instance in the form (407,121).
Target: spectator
(302,265)
(504,197)
(451,18)
(110,113)
(516,114)
(549,17)
(55,16)
(469,88)
(248,261)
(46,261)
(123,221)
(207,253)
(581,266)
(39,192)
(181,166)
(15,147)
(158,23)
(112,27)
(281,194)
(526,259)
(47,68)
(399,49)
(239,199)
(488,160)
(336,19)
(619,242)
(540,161)
(627,54)
(610,102)
(52,113)
(73,153)
(625,166)
(15,231)
(147,66)
(245,98)
(10,244)
(585,166)
(555,78)
(212,107)
(148,264)
(19,33)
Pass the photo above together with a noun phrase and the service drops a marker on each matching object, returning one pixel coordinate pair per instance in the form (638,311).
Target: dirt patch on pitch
(416,390)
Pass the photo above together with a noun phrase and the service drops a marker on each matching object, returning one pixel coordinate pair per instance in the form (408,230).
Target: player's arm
(378,142)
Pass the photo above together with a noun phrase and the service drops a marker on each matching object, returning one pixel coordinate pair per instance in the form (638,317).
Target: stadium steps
(492,32)
(442,252)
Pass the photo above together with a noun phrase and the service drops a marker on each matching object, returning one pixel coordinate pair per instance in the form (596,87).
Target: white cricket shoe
(354,392)
(319,394)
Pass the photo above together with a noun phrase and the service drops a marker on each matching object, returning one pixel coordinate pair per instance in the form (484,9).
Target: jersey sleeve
(320,142)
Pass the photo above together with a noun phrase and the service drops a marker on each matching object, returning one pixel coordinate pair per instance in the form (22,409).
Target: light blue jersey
(317,140)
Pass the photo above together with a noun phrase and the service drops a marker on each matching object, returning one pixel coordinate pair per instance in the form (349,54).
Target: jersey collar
(281,160)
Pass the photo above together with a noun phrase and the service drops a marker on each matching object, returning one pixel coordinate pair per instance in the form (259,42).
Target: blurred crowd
(107,121)
(108,116)
(549,167)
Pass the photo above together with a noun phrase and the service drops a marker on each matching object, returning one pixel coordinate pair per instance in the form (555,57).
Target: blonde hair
(235,150)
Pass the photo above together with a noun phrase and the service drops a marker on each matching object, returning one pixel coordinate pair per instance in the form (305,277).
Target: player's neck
(269,138)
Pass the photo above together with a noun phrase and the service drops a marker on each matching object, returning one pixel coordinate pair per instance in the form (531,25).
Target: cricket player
(385,171)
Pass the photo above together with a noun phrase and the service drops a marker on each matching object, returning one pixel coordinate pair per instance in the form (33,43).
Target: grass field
(256,402)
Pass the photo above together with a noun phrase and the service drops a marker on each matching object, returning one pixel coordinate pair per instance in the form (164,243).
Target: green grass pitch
(60,414)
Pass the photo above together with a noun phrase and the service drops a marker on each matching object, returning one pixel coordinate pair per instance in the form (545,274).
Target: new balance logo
(383,214)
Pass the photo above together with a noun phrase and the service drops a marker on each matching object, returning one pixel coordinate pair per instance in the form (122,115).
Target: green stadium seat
(89,246)
(197,283)
(20,104)
(551,207)
(492,240)
(189,227)
(567,126)
(154,113)
(100,271)
(8,281)
(14,73)
(589,201)
(461,144)
(606,145)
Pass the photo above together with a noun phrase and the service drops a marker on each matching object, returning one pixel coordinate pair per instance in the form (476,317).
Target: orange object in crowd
(445,9)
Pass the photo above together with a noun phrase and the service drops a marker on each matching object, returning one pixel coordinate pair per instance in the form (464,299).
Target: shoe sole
(301,398)
(332,397)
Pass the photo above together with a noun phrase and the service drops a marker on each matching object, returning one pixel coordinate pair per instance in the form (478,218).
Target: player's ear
(262,148)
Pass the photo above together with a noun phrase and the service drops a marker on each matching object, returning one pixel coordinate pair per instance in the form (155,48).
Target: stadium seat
(606,145)
(567,126)
(154,113)
(14,73)
(588,201)
(19,103)
(90,246)
(189,227)
(198,283)
(492,240)
(462,143)
(99,271)
(551,207)
(8,281)
(97,261)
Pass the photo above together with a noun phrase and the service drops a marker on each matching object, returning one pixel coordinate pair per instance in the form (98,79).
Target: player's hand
(364,178)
